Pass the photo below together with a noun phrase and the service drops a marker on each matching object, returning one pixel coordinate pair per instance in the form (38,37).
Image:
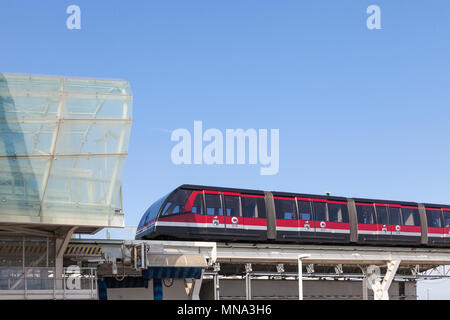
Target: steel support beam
(196,288)
(381,289)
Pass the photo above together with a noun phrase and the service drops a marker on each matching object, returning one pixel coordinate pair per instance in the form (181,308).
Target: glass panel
(21,139)
(434,218)
(261,208)
(83,137)
(232,206)
(446,219)
(304,209)
(213,205)
(11,251)
(365,214)
(82,188)
(320,211)
(411,217)
(253,207)
(36,253)
(21,183)
(395,215)
(97,86)
(337,212)
(285,209)
(78,106)
(197,207)
(176,202)
(382,215)
(152,211)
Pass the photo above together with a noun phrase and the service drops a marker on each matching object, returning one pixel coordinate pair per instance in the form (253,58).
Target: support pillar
(248,281)
(157,289)
(216,281)
(300,276)
(61,245)
(381,290)
(365,291)
(196,288)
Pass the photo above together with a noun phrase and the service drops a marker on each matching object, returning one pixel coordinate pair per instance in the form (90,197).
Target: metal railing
(35,283)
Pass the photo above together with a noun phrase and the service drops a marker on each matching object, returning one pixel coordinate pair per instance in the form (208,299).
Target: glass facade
(63,145)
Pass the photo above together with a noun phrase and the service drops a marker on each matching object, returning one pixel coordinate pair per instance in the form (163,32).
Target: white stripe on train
(207,225)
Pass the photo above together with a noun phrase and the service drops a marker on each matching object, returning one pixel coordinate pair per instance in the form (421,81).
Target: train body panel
(213,213)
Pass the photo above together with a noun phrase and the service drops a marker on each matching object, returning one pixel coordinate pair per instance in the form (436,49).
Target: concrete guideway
(348,255)
(212,257)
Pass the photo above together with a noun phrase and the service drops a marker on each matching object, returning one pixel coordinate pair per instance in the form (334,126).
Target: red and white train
(193,212)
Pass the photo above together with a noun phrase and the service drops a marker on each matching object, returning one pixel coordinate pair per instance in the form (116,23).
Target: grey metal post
(365,289)
(216,287)
(248,287)
(248,281)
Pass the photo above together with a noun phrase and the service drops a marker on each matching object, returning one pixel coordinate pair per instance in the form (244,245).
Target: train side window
(213,205)
(434,218)
(411,217)
(365,214)
(304,210)
(446,219)
(320,210)
(253,207)
(285,209)
(337,212)
(197,207)
(382,215)
(261,208)
(395,215)
(232,207)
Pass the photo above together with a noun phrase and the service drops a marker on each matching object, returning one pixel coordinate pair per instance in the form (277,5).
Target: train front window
(152,212)
(176,202)
(285,209)
(232,207)
(434,218)
(411,217)
(382,215)
(337,212)
(304,210)
(213,205)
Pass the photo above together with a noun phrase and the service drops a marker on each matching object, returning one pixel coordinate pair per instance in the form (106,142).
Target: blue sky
(361,112)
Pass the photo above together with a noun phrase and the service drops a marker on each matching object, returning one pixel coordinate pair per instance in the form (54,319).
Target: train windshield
(176,202)
(152,212)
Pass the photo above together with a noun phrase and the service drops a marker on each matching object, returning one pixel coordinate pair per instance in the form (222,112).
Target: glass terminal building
(63,145)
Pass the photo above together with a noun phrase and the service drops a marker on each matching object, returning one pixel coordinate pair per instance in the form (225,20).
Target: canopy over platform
(63,145)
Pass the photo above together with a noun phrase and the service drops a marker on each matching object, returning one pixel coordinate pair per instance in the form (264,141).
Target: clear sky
(361,113)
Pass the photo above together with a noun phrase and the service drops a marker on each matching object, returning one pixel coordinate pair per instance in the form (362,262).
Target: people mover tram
(193,212)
